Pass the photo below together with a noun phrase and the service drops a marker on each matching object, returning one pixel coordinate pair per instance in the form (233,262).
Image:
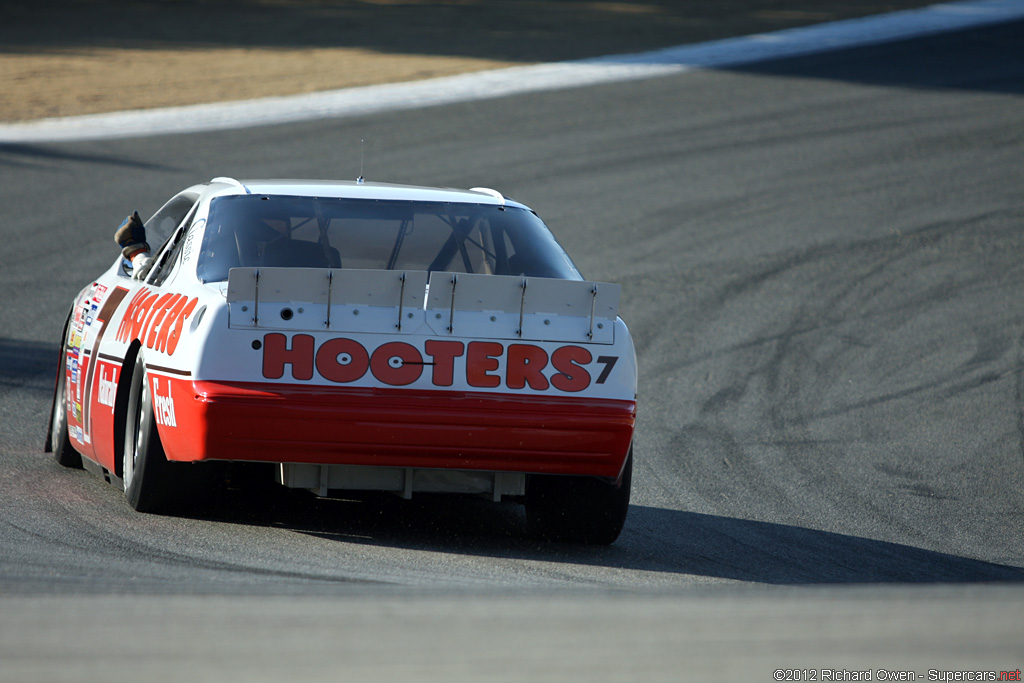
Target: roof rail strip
(230,181)
(486,190)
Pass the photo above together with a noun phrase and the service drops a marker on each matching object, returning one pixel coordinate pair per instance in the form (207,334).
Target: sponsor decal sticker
(163,406)
(481,364)
(108,386)
(186,251)
(156,319)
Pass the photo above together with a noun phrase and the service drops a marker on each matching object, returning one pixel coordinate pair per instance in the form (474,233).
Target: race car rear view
(358,336)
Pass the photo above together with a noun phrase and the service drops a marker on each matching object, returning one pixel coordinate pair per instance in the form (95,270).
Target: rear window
(307,232)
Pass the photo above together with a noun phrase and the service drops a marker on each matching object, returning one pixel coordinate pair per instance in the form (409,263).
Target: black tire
(148,478)
(63,452)
(578,509)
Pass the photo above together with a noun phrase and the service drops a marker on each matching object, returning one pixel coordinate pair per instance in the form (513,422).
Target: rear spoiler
(416,302)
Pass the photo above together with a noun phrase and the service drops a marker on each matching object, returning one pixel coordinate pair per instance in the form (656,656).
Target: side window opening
(161,225)
(164,264)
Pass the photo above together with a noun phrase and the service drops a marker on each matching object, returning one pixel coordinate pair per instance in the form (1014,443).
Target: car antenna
(362,148)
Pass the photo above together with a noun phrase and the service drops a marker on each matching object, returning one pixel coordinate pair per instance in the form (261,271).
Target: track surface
(821,261)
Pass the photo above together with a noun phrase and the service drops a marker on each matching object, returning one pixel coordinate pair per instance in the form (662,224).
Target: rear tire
(578,509)
(63,452)
(147,475)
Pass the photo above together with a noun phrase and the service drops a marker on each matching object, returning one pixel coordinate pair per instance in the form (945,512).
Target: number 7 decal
(609,363)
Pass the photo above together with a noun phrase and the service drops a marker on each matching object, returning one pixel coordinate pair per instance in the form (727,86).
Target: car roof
(348,189)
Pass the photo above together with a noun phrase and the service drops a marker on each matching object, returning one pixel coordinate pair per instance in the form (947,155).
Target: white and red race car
(355,336)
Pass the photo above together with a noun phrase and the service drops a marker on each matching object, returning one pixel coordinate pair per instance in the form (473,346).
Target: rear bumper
(399,428)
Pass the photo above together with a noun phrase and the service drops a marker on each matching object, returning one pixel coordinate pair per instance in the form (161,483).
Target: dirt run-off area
(69,57)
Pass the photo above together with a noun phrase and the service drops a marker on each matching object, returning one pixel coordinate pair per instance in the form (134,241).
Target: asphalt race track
(822,269)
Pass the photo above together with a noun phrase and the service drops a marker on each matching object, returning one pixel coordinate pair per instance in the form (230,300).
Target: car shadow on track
(654,540)
(764,552)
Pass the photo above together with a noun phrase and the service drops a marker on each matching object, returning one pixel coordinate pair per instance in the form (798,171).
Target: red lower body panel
(396,428)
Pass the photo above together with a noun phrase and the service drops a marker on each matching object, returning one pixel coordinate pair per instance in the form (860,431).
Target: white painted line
(517,80)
